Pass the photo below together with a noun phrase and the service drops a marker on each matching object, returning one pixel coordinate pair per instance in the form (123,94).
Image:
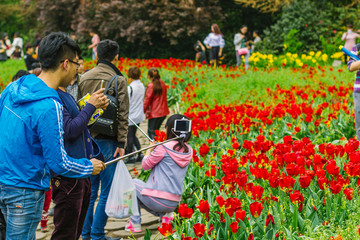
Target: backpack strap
(131,91)
(108,87)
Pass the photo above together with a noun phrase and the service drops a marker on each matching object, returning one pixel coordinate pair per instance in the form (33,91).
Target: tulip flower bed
(275,151)
(279,162)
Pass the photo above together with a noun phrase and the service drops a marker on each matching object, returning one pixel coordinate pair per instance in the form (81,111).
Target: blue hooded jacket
(31,136)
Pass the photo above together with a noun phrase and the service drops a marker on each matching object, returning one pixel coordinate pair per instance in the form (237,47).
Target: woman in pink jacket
(169,162)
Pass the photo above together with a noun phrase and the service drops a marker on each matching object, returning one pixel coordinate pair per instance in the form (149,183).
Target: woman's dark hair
(243,26)
(134,73)
(216,29)
(350,25)
(155,79)
(170,133)
(55,48)
(19,74)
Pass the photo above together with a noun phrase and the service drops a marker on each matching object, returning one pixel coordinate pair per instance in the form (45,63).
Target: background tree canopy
(169,28)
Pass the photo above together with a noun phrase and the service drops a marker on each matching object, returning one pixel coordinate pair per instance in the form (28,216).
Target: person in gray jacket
(169,162)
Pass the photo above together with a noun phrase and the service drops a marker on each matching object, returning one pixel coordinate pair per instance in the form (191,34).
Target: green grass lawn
(9,68)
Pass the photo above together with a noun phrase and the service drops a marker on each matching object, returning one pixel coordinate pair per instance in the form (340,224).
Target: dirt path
(115,227)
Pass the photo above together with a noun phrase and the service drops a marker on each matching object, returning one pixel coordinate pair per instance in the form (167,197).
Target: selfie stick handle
(138,151)
(138,127)
(350,54)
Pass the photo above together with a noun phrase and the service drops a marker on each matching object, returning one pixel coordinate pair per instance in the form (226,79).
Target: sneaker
(110,238)
(44,229)
(140,157)
(131,160)
(167,218)
(132,227)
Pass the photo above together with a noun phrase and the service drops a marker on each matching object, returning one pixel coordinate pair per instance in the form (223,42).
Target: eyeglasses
(76,63)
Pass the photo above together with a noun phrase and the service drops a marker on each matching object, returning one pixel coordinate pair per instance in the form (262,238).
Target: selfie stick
(138,151)
(138,127)
(350,53)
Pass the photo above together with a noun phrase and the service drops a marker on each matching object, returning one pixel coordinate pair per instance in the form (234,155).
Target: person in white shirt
(17,43)
(215,43)
(136,92)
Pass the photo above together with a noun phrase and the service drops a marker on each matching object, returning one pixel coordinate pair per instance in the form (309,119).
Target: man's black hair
(19,74)
(35,65)
(56,47)
(107,50)
(28,46)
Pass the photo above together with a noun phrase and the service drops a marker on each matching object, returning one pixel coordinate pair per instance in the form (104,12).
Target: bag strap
(131,91)
(108,87)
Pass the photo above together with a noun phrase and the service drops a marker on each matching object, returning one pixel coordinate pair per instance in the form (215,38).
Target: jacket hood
(30,88)
(181,159)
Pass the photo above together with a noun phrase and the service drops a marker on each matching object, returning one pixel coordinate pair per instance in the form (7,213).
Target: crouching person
(169,162)
(71,195)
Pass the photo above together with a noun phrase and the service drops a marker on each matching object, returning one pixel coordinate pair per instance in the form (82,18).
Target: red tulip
(184,211)
(251,236)
(269,219)
(204,149)
(210,229)
(240,215)
(255,209)
(257,192)
(234,227)
(220,200)
(305,181)
(349,193)
(204,207)
(199,229)
(166,229)
(296,197)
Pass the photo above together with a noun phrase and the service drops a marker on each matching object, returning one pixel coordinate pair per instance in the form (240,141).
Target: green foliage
(292,41)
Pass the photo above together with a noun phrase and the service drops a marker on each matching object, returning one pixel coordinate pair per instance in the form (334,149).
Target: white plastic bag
(122,200)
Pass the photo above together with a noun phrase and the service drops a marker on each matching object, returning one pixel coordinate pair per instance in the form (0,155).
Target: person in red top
(155,102)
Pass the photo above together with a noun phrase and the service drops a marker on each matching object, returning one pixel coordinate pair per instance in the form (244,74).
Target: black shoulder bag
(106,124)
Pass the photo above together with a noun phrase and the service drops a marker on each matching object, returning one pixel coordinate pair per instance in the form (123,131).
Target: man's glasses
(76,63)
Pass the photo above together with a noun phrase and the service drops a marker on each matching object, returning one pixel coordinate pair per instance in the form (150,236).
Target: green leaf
(147,235)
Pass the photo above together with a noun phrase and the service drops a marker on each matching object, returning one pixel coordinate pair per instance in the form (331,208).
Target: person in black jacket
(29,60)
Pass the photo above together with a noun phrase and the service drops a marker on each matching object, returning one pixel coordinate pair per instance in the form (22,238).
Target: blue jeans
(95,223)
(93,55)
(22,209)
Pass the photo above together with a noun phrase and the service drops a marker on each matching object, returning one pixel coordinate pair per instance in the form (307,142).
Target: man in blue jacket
(31,137)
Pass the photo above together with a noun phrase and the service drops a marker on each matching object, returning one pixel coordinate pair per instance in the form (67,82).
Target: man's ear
(116,57)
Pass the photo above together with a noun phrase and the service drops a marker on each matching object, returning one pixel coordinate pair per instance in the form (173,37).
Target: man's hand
(119,151)
(98,99)
(98,166)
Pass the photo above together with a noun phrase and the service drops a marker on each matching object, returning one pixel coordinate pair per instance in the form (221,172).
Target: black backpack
(107,123)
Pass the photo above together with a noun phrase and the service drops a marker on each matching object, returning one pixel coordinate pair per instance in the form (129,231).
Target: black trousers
(2,227)
(154,124)
(132,140)
(72,198)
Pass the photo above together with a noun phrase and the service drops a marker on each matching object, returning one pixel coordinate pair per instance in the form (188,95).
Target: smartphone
(182,125)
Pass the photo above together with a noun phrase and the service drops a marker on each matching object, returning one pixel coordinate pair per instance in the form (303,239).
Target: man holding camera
(31,137)
(111,146)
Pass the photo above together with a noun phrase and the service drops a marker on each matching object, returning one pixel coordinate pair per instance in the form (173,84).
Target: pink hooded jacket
(169,168)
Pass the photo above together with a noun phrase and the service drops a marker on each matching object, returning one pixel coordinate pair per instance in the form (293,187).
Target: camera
(182,125)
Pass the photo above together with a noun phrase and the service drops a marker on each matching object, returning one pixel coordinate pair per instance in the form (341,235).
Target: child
(169,162)
(136,92)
